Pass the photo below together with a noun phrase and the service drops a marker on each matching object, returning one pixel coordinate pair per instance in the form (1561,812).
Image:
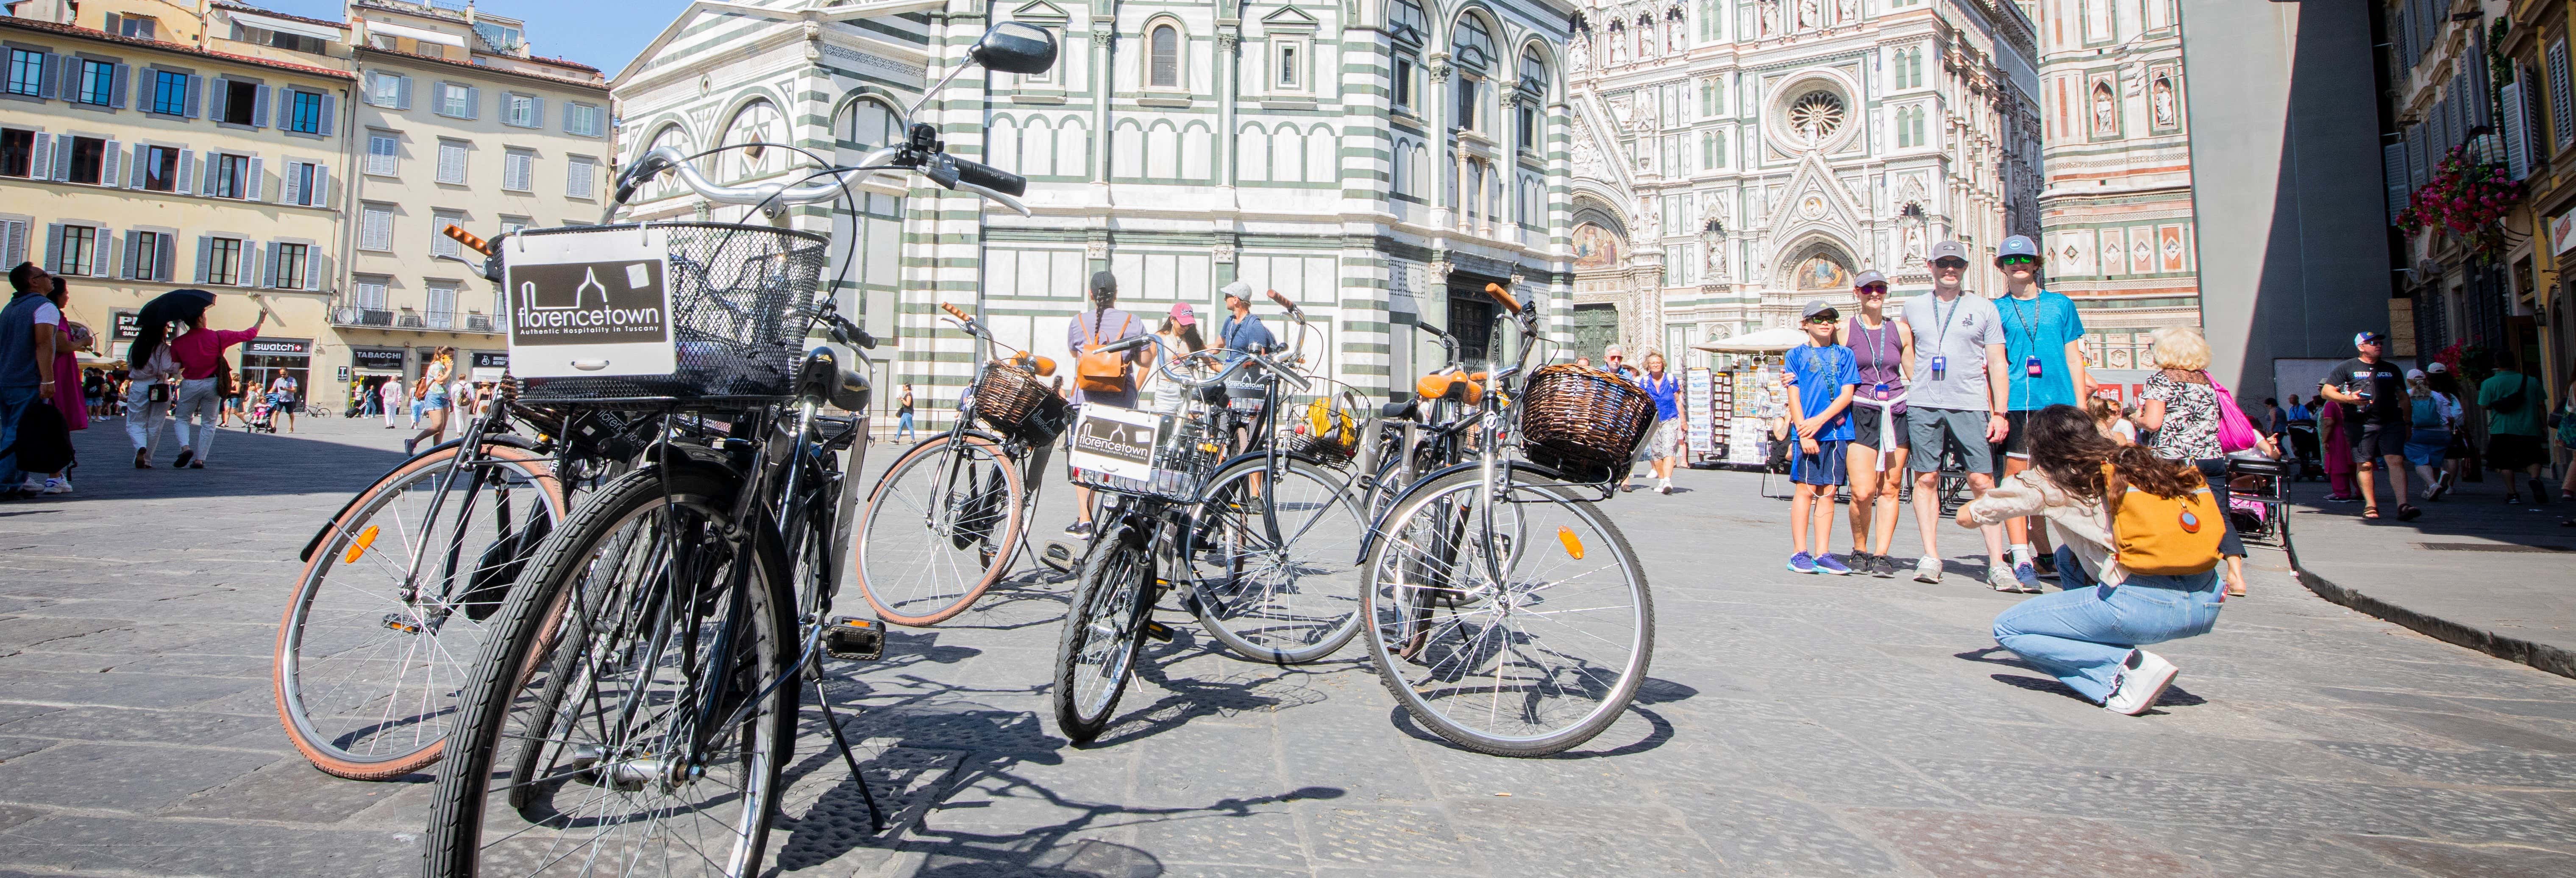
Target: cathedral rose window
(1817,114)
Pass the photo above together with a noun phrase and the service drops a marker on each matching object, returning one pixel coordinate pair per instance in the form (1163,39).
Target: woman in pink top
(200,353)
(72,337)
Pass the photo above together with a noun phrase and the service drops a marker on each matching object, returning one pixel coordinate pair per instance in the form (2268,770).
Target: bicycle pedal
(855,639)
(1057,557)
(1160,632)
(403,623)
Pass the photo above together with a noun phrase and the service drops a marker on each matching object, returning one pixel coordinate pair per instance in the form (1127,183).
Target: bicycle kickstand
(876,818)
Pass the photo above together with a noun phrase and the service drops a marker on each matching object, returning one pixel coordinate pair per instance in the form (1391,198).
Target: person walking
(435,399)
(2455,454)
(2044,357)
(281,398)
(233,392)
(2180,406)
(70,339)
(1103,325)
(94,392)
(1614,360)
(28,344)
(1883,352)
(369,401)
(1180,336)
(2337,457)
(2374,394)
(2432,417)
(1957,402)
(200,352)
(395,401)
(903,431)
(2088,635)
(1821,379)
(2565,421)
(1663,446)
(152,375)
(2515,404)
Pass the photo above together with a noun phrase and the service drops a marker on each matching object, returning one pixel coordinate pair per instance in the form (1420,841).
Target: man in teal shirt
(2515,403)
(2043,365)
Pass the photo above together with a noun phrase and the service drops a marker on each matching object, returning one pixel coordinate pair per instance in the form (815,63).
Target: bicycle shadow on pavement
(1187,698)
(1659,730)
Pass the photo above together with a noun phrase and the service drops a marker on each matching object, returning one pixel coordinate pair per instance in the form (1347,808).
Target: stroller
(262,417)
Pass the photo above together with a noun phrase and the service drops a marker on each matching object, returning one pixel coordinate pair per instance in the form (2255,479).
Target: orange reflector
(357,547)
(1573,544)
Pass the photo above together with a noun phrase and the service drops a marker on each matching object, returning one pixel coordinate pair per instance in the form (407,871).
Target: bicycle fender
(1369,541)
(510,439)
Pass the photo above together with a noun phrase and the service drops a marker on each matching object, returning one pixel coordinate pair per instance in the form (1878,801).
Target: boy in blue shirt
(2043,365)
(1822,375)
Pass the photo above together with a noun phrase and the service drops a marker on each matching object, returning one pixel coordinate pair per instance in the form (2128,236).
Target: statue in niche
(1674,39)
(1645,38)
(2106,110)
(1913,243)
(1850,12)
(1618,45)
(2161,98)
(1770,18)
(1648,224)
(1578,52)
(1809,14)
(1716,264)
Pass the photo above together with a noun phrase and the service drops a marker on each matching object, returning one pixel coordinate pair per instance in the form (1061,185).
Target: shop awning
(1763,342)
(288,26)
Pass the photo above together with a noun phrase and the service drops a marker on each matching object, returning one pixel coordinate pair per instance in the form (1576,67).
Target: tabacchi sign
(590,303)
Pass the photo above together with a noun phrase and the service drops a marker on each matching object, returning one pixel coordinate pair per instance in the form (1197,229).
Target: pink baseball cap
(1182,315)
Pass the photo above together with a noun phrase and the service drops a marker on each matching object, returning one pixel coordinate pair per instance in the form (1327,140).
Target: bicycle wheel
(939,529)
(1102,634)
(364,676)
(1274,560)
(1519,635)
(618,759)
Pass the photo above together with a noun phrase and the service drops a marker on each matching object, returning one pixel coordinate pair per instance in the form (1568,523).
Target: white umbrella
(1763,342)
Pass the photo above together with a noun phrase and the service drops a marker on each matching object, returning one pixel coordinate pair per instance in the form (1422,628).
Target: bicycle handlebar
(1291,307)
(1495,291)
(467,239)
(989,178)
(954,311)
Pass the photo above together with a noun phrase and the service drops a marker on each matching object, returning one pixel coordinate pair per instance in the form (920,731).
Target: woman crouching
(2087,636)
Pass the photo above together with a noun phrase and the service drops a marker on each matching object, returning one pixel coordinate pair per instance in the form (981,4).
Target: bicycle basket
(1583,423)
(1011,400)
(1326,434)
(742,298)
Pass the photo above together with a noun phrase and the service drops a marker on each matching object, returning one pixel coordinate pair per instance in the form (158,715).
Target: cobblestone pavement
(1800,726)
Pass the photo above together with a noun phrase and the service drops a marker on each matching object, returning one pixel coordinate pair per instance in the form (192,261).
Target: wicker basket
(742,298)
(1582,422)
(1010,399)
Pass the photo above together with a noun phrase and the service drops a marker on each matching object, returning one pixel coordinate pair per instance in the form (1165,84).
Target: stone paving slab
(2473,570)
(1795,726)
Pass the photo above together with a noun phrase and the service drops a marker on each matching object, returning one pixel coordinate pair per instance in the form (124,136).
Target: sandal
(2408,512)
(2371,512)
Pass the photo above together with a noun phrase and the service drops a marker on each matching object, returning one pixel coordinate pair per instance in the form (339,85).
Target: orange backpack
(2163,536)
(1097,371)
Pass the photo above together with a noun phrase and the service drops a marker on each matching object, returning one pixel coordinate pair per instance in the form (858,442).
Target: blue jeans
(902,425)
(13,406)
(2083,635)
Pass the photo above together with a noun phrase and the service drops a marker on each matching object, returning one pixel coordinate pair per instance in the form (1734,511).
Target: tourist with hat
(2376,426)
(1884,351)
(1954,402)
(2043,366)
(1242,331)
(1180,334)
(1820,377)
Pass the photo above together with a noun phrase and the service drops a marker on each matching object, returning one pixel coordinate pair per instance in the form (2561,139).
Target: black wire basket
(742,299)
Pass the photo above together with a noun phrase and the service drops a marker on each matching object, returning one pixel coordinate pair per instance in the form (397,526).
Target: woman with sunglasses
(1884,350)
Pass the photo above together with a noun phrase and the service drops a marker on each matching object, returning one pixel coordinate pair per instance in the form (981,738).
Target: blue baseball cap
(2368,337)
(2018,245)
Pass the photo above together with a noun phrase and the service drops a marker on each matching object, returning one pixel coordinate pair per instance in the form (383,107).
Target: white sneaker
(32,485)
(58,486)
(2142,681)
(1927,569)
(1664,487)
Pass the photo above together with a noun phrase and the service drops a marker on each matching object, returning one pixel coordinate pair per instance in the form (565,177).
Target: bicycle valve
(467,238)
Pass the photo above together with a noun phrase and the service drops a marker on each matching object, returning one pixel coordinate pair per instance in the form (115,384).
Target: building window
(518,170)
(1047,76)
(260,36)
(26,72)
(2560,113)
(459,101)
(376,227)
(439,243)
(161,168)
(241,103)
(89,160)
(18,152)
(1404,82)
(97,82)
(1468,119)
(580,177)
(1163,67)
(306,115)
(384,154)
(1712,151)
(230,172)
(149,249)
(78,256)
(302,182)
(1528,132)
(169,92)
(1712,99)
(138,27)
(442,306)
(582,119)
(371,294)
(223,261)
(451,162)
(289,259)
(1290,57)
(523,111)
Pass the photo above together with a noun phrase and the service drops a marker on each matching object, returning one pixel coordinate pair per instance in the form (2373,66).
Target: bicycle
(948,517)
(1262,538)
(1477,568)
(697,588)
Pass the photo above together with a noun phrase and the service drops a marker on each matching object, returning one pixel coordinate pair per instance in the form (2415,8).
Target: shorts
(1663,440)
(1825,467)
(2506,451)
(1864,421)
(1929,432)
(2427,452)
(2017,442)
(433,403)
(2370,442)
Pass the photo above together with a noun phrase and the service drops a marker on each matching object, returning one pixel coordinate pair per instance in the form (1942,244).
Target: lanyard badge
(1940,367)
(2030,366)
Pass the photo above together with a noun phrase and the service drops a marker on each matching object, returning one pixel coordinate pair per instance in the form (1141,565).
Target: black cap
(1102,281)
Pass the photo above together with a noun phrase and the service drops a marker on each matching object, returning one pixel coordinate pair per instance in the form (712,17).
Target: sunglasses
(1827,317)
(2017,260)
(1949,262)
(1873,291)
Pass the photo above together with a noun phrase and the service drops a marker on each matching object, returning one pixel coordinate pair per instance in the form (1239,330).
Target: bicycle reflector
(1573,544)
(358,547)
(855,639)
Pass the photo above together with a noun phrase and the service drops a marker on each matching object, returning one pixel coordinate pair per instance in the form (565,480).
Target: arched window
(758,122)
(1533,72)
(675,137)
(1163,64)
(867,125)
(1405,19)
(1475,44)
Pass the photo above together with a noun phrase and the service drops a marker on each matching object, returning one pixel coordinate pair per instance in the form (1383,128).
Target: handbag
(2235,430)
(44,442)
(1099,371)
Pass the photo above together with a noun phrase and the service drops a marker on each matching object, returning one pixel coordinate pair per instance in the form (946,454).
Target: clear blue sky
(601,34)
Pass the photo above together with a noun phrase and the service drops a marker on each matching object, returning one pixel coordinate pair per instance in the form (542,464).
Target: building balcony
(369,316)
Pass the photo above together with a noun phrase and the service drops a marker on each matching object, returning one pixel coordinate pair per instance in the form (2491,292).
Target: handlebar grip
(954,311)
(466,238)
(1041,365)
(1282,300)
(1502,298)
(989,177)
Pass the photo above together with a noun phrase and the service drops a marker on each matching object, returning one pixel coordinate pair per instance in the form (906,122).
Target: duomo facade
(1733,159)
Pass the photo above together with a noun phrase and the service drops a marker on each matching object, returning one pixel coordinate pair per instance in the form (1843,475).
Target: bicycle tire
(1103,630)
(286,674)
(1286,604)
(892,573)
(462,803)
(1463,646)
